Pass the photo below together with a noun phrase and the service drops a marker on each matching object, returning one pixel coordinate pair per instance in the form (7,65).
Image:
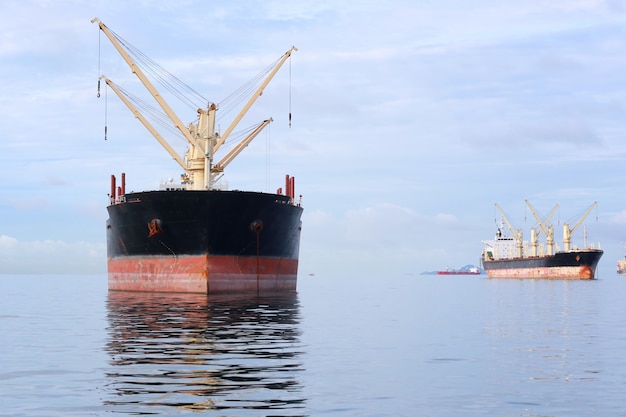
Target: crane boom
(228,158)
(146,82)
(543,224)
(202,137)
(506,221)
(252,99)
(545,227)
(567,231)
(517,235)
(145,122)
(583,217)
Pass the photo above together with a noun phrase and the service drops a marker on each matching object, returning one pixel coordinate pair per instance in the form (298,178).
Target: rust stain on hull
(560,272)
(202,274)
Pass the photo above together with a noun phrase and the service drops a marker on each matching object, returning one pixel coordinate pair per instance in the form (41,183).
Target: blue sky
(410,120)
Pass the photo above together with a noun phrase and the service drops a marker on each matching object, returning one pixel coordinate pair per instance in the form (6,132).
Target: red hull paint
(202,274)
(560,272)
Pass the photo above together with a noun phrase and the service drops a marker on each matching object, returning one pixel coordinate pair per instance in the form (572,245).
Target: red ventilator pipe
(112,188)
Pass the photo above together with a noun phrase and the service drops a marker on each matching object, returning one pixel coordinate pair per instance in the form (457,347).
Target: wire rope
(171,83)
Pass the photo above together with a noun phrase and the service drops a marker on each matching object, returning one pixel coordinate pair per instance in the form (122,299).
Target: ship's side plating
(577,264)
(203,241)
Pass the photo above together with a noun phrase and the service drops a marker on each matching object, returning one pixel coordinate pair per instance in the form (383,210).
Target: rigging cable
(106,105)
(151,112)
(267,158)
(289,91)
(106,101)
(244,92)
(170,82)
(99,51)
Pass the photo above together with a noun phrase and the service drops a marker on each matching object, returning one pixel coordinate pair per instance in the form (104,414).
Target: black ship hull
(203,241)
(577,264)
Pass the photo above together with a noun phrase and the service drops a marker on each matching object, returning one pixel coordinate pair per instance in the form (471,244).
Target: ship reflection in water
(197,353)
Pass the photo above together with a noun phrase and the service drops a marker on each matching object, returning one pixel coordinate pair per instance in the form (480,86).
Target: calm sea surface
(359,346)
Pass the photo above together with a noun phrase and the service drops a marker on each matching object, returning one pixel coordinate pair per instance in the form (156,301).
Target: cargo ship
(510,257)
(197,236)
(469,270)
(621,266)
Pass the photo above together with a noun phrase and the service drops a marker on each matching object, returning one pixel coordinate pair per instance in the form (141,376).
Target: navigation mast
(519,244)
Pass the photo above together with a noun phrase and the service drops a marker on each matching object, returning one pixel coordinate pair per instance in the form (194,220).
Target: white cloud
(7,242)
(384,238)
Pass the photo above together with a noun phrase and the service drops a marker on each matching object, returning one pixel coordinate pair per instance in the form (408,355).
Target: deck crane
(200,171)
(545,227)
(567,231)
(517,235)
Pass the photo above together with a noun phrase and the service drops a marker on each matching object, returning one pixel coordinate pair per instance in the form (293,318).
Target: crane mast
(203,140)
(545,227)
(567,231)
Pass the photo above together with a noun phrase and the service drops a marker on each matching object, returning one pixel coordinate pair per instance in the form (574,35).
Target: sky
(410,121)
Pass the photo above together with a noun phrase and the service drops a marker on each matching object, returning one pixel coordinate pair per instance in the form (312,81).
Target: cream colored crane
(146,123)
(567,231)
(519,244)
(202,138)
(545,227)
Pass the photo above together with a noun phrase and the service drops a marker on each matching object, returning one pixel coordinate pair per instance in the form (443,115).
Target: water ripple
(198,353)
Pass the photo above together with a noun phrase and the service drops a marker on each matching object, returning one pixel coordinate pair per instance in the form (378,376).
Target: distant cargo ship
(511,257)
(621,266)
(461,271)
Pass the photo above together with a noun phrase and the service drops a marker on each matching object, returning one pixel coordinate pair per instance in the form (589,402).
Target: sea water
(412,345)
